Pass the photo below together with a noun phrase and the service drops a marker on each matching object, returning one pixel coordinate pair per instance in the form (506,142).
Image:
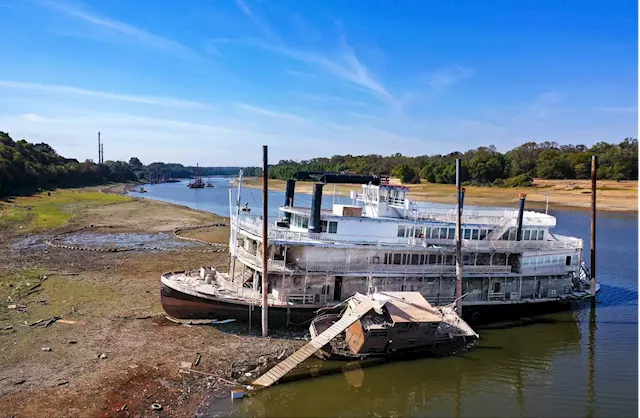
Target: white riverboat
(383,241)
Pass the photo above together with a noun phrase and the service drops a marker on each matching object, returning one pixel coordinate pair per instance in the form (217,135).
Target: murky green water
(578,363)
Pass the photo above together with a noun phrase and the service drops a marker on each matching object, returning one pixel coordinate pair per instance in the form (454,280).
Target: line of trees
(26,168)
(485,165)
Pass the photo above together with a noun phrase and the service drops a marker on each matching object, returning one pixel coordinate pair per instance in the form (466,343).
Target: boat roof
(408,307)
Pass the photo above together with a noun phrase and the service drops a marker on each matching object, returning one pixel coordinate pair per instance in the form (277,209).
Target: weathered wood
(279,370)
(594,162)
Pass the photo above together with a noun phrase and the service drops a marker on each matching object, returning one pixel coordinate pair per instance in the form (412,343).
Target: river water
(578,363)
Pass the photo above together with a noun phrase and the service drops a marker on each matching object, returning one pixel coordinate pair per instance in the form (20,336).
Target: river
(578,363)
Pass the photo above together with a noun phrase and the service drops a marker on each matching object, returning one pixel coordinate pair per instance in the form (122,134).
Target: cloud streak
(151,100)
(445,77)
(347,66)
(131,33)
(270,113)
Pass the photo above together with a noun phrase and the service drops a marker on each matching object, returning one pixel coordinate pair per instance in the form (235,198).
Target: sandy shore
(616,196)
(108,303)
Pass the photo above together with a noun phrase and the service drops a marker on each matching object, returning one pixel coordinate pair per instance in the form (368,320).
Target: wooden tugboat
(399,323)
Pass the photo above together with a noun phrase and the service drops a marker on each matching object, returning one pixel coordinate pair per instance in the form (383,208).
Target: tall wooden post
(594,162)
(265,242)
(459,241)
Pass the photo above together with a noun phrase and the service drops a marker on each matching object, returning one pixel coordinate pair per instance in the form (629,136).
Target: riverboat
(513,264)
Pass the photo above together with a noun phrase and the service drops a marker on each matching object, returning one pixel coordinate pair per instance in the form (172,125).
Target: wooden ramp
(279,370)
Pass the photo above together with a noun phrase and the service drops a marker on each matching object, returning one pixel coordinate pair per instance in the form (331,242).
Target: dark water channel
(578,363)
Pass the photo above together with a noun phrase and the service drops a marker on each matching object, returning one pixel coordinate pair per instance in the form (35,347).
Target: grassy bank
(619,196)
(108,303)
(50,210)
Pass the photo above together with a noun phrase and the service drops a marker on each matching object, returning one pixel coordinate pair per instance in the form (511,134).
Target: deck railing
(391,268)
(253,226)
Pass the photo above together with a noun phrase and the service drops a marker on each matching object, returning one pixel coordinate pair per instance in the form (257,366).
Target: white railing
(392,268)
(255,261)
(254,227)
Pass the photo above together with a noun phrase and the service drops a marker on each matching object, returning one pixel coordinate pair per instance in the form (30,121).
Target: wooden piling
(594,162)
(265,242)
(459,241)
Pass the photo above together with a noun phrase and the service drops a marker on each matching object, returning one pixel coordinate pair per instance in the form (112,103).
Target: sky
(211,81)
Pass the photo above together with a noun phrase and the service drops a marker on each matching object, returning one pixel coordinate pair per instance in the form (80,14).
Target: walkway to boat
(279,370)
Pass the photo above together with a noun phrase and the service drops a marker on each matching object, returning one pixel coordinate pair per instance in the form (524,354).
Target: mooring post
(459,241)
(265,242)
(594,162)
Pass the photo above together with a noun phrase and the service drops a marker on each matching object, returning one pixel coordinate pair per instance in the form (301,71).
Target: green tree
(405,173)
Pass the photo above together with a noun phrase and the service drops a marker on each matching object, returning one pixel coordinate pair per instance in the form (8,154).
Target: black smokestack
(520,217)
(316,204)
(288,198)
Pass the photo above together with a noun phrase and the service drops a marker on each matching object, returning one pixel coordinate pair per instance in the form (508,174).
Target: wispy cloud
(620,109)
(257,21)
(270,113)
(131,33)
(447,76)
(327,98)
(540,105)
(345,64)
(151,100)
(301,74)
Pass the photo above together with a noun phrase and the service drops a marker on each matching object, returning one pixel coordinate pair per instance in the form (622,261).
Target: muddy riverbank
(109,350)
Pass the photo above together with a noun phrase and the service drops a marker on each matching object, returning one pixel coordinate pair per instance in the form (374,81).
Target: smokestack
(316,204)
(288,198)
(99,149)
(520,216)
(102,152)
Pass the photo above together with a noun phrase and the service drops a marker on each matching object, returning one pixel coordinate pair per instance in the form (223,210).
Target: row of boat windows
(441,233)
(527,234)
(420,259)
(301,221)
(546,260)
(467,233)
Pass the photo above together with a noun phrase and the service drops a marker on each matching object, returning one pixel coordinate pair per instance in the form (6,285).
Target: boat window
(434,233)
(567,261)
(443,233)
(512,234)
(431,259)
(333,227)
(449,260)
(474,234)
(483,233)
(452,233)
(401,230)
(423,258)
(547,260)
(527,234)
(410,231)
(397,258)
(496,287)
(427,232)
(540,234)
(415,259)
(466,233)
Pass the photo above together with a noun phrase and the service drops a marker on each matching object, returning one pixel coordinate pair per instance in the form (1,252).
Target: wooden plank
(279,370)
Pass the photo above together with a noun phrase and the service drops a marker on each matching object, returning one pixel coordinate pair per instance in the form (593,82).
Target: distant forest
(485,165)
(26,168)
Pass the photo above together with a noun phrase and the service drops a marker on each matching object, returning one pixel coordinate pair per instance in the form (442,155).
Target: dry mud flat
(111,351)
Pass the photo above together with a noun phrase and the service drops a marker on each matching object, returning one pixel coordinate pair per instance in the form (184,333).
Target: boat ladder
(279,370)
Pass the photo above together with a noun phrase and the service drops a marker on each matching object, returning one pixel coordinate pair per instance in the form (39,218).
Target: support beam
(460,193)
(265,242)
(523,196)
(594,162)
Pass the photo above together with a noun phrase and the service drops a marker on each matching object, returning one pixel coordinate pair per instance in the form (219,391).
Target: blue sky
(210,81)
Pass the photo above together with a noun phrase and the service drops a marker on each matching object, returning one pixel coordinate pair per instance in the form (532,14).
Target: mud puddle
(125,239)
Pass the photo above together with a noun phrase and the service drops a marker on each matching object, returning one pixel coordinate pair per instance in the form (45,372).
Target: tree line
(26,168)
(485,165)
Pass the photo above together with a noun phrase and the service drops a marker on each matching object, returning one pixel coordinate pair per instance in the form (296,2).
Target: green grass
(42,212)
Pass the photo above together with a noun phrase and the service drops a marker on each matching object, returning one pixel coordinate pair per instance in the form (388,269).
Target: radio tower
(99,149)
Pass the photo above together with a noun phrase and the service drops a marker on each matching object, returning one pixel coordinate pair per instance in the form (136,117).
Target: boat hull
(181,305)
